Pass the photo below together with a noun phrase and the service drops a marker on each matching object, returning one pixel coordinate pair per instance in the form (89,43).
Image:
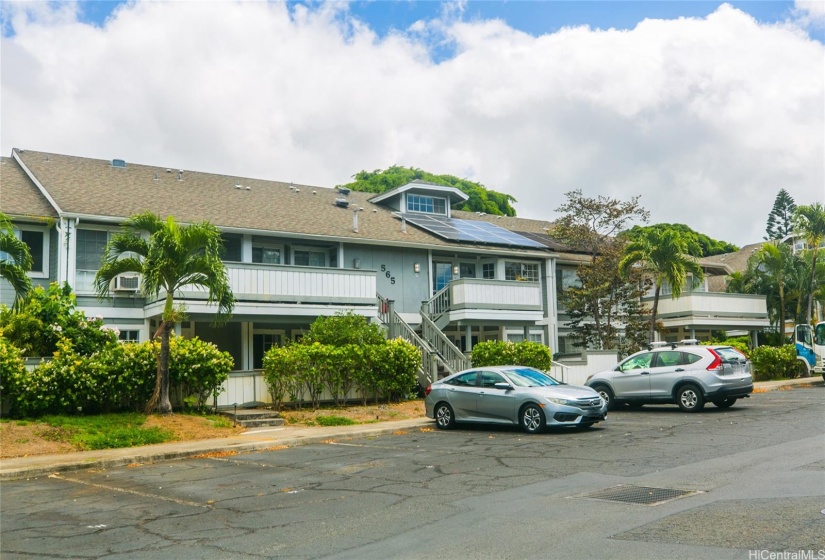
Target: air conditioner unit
(127,283)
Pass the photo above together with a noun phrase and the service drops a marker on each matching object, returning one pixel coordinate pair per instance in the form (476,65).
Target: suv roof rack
(690,342)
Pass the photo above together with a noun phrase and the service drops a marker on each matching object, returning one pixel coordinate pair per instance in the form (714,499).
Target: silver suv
(686,374)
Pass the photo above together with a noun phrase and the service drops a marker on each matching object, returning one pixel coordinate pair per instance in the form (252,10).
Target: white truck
(810,347)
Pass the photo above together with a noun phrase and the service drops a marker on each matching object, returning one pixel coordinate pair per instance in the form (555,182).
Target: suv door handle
(680,369)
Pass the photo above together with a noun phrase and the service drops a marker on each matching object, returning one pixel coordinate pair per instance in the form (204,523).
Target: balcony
(477,300)
(260,287)
(712,310)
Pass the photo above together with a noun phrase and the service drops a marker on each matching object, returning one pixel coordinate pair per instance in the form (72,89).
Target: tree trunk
(811,288)
(164,405)
(653,313)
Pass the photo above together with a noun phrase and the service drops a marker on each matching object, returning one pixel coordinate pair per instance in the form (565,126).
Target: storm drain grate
(644,495)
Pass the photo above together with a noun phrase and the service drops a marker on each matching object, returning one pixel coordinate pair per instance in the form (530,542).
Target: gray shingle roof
(93,187)
(19,196)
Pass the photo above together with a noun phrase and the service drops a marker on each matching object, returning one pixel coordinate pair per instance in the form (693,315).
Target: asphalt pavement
(257,439)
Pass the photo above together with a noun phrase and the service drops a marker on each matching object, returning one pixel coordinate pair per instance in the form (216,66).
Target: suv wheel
(724,403)
(605,393)
(690,398)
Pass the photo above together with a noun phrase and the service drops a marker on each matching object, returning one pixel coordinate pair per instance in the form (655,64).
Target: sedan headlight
(564,402)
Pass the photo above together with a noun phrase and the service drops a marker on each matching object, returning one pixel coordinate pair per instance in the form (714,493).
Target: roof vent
(342,202)
(248,188)
(180,175)
(238,186)
(168,170)
(343,191)
(119,163)
(156,177)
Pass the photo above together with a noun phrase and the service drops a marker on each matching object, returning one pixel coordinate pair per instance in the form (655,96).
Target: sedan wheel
(444,418)
(690,398)
(532,419)
(725,403)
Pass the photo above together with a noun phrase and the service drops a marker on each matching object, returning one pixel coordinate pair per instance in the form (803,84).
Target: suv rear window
(730,355)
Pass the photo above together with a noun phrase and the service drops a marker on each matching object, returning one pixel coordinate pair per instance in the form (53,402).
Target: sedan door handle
(644,373)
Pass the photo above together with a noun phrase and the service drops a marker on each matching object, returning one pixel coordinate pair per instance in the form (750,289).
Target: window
(531,337)
(489,379)
(488,271)
(668,358)
(232,243)
(129,336)
(525,272)
(91,244)
(428,204)
(641,361)
(38,243)
(266,255)
(467,270)
(261,342)
(309,257)
(464,380)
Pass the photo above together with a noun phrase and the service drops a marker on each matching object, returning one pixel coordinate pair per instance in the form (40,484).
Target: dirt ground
(20,439)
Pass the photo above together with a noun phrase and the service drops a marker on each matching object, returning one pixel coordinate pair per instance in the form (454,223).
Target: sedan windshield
(529,377)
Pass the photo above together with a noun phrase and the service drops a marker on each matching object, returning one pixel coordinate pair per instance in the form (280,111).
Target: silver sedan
(512,395)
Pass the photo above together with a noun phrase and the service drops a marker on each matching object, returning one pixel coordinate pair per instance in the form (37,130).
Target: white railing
(297,284)
(494,294)
(709,304)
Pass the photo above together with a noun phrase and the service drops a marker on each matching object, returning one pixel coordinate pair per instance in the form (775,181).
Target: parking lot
(753,477)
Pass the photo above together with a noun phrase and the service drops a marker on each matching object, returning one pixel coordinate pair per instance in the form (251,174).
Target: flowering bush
(47,317)
(198,368)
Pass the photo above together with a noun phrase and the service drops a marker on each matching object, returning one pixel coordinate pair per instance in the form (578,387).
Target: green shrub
(497,353)
(342,329)
(282,375)
(771,362)
(48,316)
(198,368)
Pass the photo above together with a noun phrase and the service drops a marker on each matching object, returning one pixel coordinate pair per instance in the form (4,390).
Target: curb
(43,465)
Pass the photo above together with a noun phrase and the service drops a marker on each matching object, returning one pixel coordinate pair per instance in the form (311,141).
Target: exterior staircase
(439,356)
(253,417)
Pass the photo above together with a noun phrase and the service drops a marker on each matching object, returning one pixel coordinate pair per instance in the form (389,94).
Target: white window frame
(259,245)
(312,249)
(408,202)
(521,263)
(18,233)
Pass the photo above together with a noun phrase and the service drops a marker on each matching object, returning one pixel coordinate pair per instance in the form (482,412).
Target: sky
(703,109)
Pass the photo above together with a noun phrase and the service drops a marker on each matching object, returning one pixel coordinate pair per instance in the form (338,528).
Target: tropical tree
(15,261)
(774,263)
(780,220)
(169,257)
(664,254)
(707,246)
(601,301)
(809,222)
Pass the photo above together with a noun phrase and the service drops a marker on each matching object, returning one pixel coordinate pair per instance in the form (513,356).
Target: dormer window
(426,204)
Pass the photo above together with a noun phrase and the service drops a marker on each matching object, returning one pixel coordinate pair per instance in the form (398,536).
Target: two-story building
(443,279)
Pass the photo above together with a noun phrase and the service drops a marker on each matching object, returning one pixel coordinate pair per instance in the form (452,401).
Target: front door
(495,405)
(443,274)
(668,368)
(634,379)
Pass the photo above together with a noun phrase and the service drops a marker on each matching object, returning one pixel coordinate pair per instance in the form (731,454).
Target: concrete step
(253,417)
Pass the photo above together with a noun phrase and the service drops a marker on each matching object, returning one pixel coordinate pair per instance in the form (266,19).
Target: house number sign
(387,273)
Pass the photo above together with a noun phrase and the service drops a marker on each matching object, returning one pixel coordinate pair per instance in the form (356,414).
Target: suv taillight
(427,390)
(716,364)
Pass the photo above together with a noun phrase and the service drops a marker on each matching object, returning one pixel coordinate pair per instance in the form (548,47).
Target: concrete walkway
(253,440)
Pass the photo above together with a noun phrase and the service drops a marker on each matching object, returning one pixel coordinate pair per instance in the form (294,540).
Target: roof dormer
(421,198)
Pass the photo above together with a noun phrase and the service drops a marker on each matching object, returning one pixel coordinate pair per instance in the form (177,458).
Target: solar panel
(473,231)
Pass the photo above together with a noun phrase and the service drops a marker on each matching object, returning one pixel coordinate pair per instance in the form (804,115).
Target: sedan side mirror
(503,386)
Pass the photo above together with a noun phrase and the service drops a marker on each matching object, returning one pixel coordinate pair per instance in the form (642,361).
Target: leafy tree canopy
(481,198)
(699,245)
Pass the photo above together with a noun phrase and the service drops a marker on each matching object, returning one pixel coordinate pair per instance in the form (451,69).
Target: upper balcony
(258,287)
(475,299)
(712,310)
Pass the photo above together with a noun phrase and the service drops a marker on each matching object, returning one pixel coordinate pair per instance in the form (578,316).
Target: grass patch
(219,421)
(334,421)
(107,431)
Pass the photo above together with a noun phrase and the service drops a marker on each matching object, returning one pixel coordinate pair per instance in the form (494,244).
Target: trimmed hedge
(498,353)
(119,377)
(771,362)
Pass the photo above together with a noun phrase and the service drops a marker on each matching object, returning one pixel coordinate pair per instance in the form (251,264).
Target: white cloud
(705,118)
(811,11)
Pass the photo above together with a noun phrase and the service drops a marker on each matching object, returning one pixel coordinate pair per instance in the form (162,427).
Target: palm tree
(663,253)
(809,221)
(774,261)
(170,258)
(15,261)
